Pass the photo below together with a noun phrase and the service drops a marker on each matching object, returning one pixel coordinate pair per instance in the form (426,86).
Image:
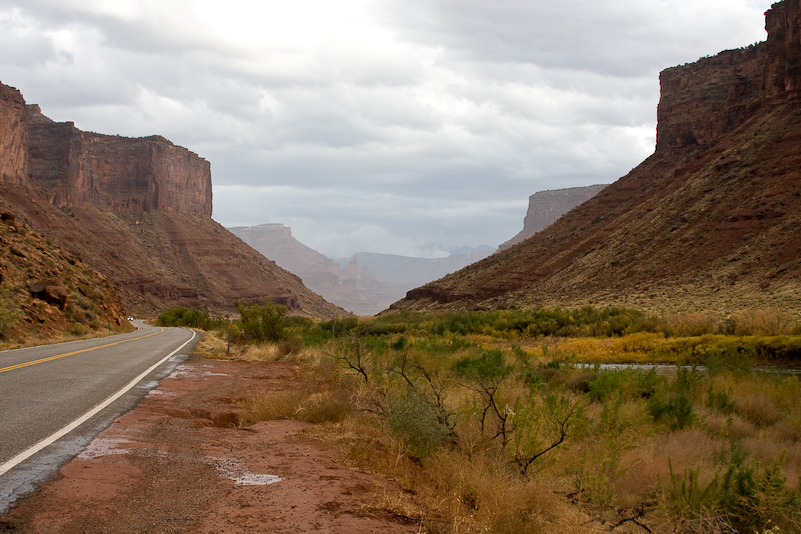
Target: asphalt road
(66,393)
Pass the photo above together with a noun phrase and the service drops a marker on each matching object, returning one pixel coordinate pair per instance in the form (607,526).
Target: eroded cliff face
(77,169)
(13,137)
(782,76)
(545,207)
(703,101)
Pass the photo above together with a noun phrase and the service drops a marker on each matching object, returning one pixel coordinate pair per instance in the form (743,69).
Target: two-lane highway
(67,392)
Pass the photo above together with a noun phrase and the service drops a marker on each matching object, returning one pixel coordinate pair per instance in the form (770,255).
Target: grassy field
(493,422)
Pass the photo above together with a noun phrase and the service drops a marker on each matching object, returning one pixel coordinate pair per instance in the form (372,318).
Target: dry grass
(725,426)
(319,397)
(329,405)
(211,345)
(763,322)
(616,461)
(485,495)
(290,349)
(757,408)
(687,324)
(465,490)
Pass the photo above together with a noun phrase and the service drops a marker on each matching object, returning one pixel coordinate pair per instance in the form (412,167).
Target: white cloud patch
(401,127)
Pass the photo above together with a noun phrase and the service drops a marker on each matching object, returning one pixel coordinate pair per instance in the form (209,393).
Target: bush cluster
(193,318)
(463,408)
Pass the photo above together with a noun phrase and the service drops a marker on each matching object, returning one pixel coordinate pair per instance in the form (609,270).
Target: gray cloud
(402,127)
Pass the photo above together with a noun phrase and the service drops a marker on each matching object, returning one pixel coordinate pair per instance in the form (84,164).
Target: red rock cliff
(783,70)
(13,137)
(77,169)
(544,207)
(703,101)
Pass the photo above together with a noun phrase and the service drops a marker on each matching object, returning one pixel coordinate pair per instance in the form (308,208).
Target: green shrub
(487,367)
(720,400)
(742,494)
(76,329)
(263,322)
(730,358)
(193,318)
(676,410)
(315,337)
(629,382)
(416,423)
(340,326)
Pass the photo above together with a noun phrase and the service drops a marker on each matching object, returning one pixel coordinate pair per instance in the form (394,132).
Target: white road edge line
(24,455)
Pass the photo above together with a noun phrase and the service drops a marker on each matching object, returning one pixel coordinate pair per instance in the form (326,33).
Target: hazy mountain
(365,283)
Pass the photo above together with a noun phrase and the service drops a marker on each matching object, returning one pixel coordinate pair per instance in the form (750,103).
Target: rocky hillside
(710,220)
(544,207)
(43,288)
(364,284)
(137,210)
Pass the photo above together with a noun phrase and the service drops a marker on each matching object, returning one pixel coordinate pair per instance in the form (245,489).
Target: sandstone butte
(545,207)
(709,221)
(136,210)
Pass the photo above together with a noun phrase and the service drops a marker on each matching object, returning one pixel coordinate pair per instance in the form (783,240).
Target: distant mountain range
(710,221)
(363,284)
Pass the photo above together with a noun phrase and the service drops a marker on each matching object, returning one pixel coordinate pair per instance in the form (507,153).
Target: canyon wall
(544,207)
(13,137)
(782,75)
(708,222)
(77,169)
(703,101)
(139,212)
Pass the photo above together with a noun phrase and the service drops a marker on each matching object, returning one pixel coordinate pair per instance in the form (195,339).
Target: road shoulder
(178,462)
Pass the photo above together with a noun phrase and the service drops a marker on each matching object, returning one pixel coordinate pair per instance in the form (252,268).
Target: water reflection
(666,368)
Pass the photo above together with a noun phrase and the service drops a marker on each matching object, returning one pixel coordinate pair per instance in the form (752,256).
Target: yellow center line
(57,356)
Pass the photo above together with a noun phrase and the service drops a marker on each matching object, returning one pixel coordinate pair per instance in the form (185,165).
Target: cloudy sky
(397,126)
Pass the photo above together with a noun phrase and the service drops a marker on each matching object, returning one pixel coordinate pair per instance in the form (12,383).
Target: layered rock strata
(78,169)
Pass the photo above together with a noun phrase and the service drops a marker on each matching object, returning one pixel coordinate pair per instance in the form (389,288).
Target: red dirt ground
(178,463)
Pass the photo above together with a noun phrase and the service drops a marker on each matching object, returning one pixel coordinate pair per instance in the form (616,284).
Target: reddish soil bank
(178,463)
